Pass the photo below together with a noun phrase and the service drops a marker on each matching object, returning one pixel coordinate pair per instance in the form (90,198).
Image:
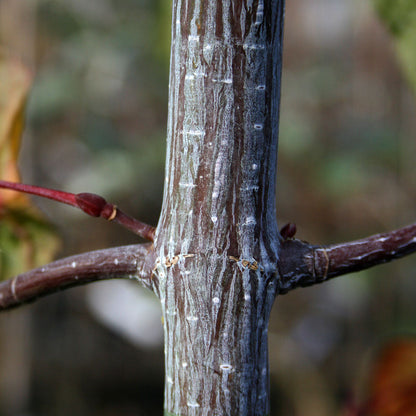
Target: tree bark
(217,241)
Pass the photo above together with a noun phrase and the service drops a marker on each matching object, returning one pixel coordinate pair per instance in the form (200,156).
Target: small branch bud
(288,231)
(91,204)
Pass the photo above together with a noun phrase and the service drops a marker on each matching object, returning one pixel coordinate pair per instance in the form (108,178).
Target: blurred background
(96,121)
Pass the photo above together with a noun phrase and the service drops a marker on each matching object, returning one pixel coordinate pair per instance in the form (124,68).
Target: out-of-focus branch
(133,262)
(304,264)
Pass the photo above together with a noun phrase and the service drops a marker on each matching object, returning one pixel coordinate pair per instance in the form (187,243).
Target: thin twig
(304,264)
(134,262)
(91,204)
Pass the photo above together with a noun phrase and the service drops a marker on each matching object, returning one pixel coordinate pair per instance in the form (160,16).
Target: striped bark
(217,242)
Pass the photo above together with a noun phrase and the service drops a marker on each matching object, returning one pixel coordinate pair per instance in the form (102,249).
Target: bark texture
(217,241)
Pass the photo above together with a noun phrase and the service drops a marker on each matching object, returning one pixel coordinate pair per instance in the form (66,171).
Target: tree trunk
(217,241)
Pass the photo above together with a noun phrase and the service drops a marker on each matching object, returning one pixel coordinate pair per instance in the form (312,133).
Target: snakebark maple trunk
(217,241)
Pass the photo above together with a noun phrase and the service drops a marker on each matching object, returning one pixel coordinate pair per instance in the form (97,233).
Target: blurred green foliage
(400,18)
(26,241)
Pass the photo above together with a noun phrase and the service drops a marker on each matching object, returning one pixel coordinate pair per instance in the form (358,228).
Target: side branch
(303,264)
(91,204)
(133,262)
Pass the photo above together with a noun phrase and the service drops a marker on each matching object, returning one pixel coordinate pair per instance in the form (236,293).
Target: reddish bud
(91,204)
(288,231)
